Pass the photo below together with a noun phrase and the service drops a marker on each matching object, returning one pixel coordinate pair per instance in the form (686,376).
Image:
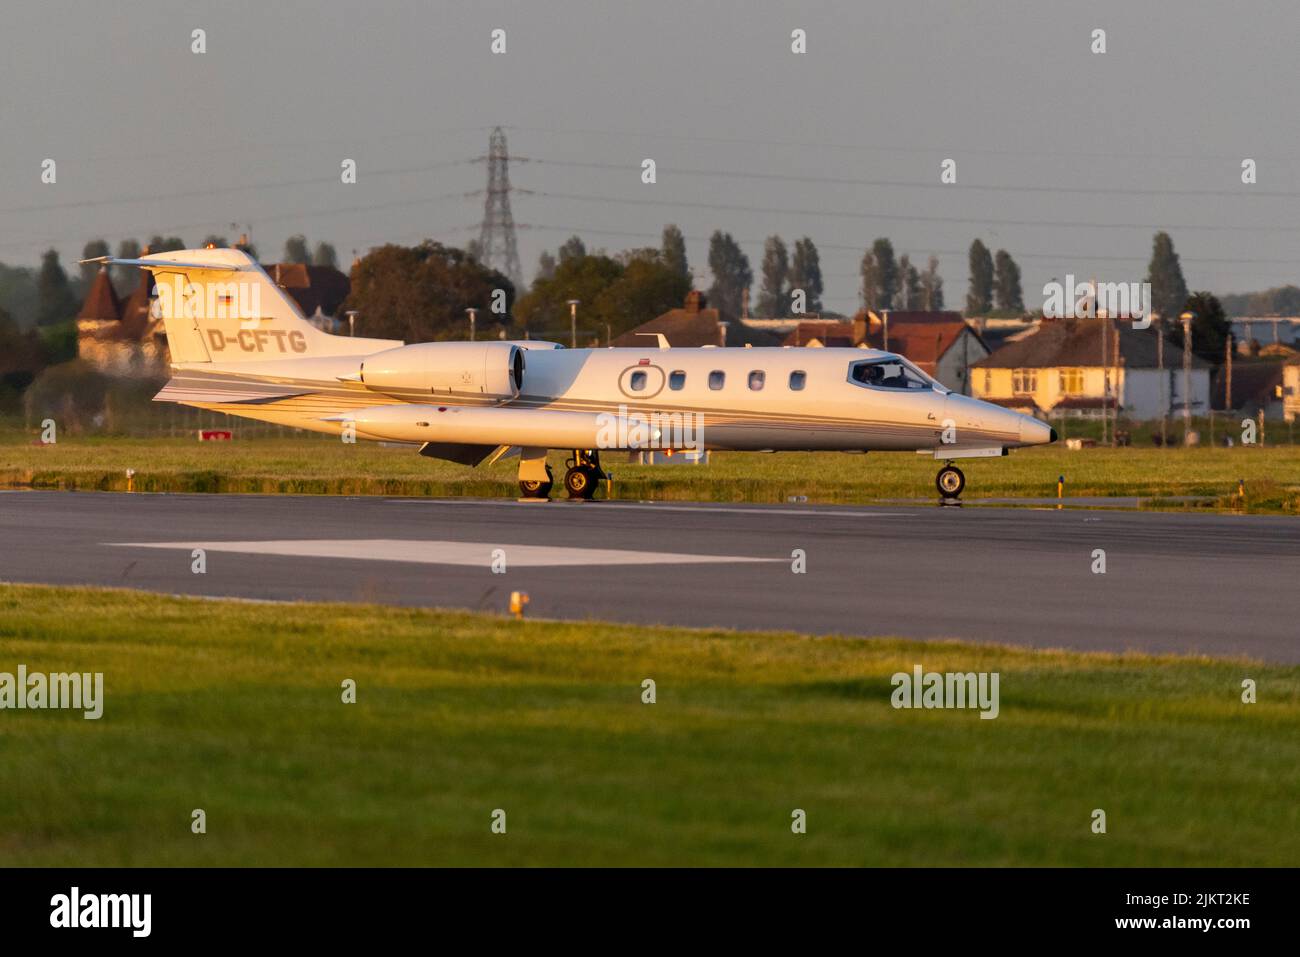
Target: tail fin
(219,305)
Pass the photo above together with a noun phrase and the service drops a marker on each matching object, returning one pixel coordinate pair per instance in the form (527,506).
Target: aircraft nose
(1034,432)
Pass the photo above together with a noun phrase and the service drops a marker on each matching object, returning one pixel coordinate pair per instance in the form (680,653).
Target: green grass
(235,708)
(315,465)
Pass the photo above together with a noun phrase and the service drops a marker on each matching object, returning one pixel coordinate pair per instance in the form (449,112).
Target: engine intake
(493,369)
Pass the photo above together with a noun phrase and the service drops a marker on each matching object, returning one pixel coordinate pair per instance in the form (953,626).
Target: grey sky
(1011,91)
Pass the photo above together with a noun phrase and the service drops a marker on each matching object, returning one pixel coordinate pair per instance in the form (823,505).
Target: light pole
(573,322)
(473,317)
(1187,318)
(1160,365)
(352,322)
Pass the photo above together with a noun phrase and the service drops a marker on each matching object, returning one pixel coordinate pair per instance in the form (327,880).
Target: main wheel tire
(580,481)
(534,489)
(950,481)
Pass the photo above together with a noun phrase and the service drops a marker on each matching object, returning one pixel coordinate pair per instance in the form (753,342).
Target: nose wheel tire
(534,489)
(580,481)
(950,481)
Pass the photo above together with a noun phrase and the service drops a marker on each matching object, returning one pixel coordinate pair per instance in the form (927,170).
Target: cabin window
(637,382)
(1024,381)
(676,380)
(757,378)
(887,374)
(716,379)
(797,380)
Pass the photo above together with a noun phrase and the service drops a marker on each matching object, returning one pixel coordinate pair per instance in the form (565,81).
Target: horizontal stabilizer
(204,389)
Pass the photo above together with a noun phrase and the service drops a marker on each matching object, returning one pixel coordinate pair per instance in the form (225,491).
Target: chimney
(694,301)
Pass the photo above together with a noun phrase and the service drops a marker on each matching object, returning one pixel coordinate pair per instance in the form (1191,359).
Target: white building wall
(952,367)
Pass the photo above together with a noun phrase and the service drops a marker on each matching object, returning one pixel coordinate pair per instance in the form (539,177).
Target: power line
(911,150)
(221,190)
(1246,191)
(256,221)
(904,217)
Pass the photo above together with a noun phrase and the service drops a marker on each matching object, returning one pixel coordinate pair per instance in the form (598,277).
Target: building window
(798,380)
(756,380)
(637,382)
(988,381)
(1072,381)
(1024,381)
(716,379)
(677,380)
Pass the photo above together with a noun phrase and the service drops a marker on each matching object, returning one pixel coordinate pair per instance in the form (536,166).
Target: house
(693,325)
(825,333)
(1256,386)
(1060,371)
(1291,388)
(318,290)
(126,339)
(942,344)
(121,339)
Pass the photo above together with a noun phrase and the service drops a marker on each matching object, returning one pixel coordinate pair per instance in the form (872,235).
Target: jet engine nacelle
(493,369)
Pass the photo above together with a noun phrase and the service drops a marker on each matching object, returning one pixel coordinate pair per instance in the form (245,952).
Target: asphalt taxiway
(1185,583)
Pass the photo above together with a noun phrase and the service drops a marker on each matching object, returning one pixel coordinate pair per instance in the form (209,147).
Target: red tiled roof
(312,287)
(923,337)
(135,314)
(827,332)
(1077,342)
(101,300)
(680,327)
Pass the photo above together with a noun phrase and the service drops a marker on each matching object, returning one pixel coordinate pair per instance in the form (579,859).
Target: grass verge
(236,708)
(318,466)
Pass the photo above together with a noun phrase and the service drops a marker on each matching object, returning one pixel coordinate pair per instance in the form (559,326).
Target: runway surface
(1212,584)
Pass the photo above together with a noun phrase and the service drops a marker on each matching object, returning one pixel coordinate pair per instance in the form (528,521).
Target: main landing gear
(950,481)
(532,488)
(581,478)
(584,474)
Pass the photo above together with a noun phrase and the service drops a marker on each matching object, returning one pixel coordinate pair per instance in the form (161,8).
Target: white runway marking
(449,553)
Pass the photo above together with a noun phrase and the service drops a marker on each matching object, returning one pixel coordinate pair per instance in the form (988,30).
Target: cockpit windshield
(893,372)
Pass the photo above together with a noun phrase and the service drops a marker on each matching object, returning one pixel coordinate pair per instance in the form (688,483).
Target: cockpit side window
(888,374)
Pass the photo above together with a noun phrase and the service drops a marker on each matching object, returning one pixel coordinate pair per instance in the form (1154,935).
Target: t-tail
(220,306)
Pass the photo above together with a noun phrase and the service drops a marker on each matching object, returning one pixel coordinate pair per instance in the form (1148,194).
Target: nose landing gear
(950,481)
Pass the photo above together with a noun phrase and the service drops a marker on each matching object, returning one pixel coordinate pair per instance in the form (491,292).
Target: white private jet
(240,345)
